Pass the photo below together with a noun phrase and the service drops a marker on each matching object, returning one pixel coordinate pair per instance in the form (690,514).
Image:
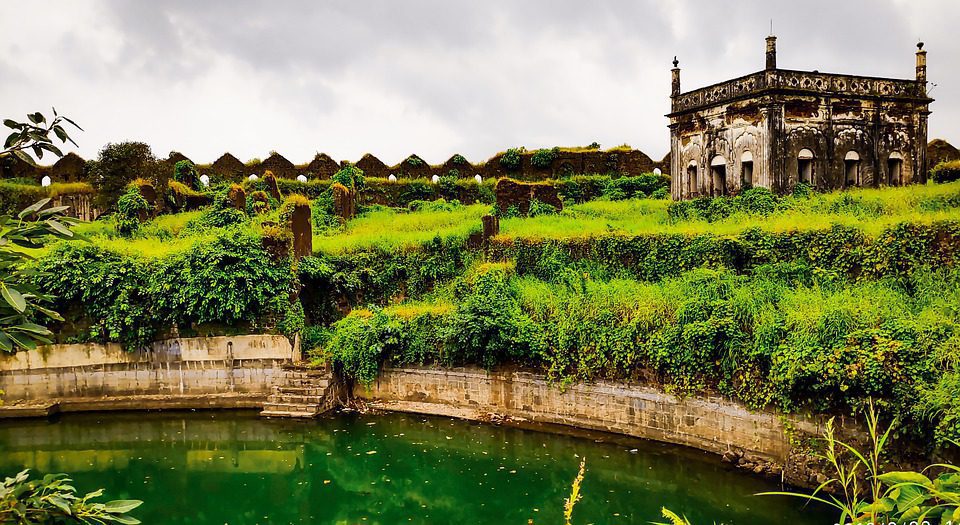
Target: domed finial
(676,63)
(919,45)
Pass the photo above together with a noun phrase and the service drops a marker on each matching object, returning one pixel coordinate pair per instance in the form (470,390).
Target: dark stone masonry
(778,127)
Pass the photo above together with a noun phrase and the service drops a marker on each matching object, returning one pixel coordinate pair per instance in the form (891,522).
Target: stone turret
(921,67)
(676,78)
(771,52)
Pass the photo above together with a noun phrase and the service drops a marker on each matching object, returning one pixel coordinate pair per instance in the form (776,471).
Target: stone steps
(302,394)
(285,413)
(297,399)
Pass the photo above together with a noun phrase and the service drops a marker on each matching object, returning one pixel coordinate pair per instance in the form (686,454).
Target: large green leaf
(33,208)
(13,297)
(31,328)
(911,496)
(22,340)
(122,506)
(61,504)
(897,477)
(59,228)
(24,157)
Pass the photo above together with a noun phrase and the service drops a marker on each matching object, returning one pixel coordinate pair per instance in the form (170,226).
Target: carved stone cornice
(787,81)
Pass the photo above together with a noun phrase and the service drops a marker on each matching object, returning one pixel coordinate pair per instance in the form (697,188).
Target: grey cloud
(474,77)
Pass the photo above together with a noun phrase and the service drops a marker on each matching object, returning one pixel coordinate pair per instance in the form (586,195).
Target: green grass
(391,229)
(871,210)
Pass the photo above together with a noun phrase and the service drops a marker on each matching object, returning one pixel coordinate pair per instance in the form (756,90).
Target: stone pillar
(344,205)
(921,69)
(491,226)
(271,181)
(771,52)
(149,194)
(300,225)
(237,197)
(675,89)
(920,153)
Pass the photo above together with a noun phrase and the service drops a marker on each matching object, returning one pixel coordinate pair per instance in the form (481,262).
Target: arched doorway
(851,168)
(805,160)
(895,169)
(718,176)
(693,189)
(746,170)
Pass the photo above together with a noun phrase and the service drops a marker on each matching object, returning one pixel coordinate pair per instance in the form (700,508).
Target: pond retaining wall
(759,441)
(203,371)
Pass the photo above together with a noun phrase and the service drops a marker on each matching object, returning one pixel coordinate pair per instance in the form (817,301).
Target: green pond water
(229,467)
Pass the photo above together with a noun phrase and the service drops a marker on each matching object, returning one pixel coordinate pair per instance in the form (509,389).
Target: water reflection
(230,467)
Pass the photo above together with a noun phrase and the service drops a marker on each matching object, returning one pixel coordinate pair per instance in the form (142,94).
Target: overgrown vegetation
(808,301)
(946,171)
(53,500)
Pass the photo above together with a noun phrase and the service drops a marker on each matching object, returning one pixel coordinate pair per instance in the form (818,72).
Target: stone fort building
(779,127)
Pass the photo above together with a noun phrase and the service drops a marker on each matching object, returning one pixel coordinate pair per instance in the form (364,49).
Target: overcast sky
(435,78)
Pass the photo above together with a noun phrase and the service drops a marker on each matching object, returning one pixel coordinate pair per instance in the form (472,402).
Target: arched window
(805,160)
(693,189)
(718,176)
(746,170)
(895,169)
(851,168)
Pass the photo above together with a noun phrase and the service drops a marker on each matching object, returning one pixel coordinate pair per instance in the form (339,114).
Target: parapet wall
(758,439)
(566,161)
(249,364)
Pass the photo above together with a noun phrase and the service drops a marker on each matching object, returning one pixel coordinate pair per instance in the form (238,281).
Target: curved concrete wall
(183,366)
(756,440)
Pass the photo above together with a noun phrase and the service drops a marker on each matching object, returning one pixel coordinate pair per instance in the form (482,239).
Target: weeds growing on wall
(786,335)
(805,301)
(105,296)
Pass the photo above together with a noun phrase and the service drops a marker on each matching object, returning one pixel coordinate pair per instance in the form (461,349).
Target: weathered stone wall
(182,366)
(857,131)
(511,193)
(620,160)
(713,424)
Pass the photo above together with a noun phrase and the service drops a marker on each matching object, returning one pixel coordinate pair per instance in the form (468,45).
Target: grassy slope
(389,229)
(869,209)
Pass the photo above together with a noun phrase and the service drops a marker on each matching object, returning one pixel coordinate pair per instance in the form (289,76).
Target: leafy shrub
(228,281)
(15,197)
(437,205)
(538,208)
(22,181)
(448,187)
(489,326)
(217,218)
(118,165)
(185,172)
(755,201)
(130,206)
(53,499)
(458,160)
(759,201)
(414,161)
(511,159)
(947,171)
(543,158)
(351,177)
(803,190)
